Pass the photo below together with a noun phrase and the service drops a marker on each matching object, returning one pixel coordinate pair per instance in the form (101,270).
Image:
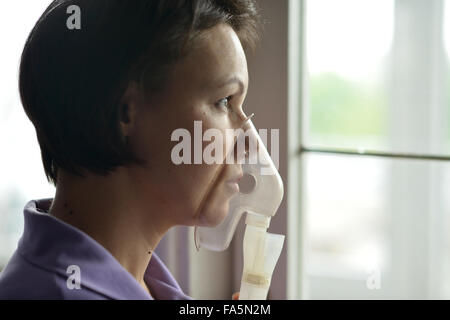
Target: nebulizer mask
(261,249)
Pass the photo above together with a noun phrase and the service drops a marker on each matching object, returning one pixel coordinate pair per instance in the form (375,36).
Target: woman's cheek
(216,203)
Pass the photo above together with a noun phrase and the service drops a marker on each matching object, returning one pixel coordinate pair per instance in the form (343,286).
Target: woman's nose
(246,145)
(241,149)
(240,117)
(243,119)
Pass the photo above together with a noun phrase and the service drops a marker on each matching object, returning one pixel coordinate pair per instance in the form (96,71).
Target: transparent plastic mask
(252,161)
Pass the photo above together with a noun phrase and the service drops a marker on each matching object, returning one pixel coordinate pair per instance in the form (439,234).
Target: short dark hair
(71,81)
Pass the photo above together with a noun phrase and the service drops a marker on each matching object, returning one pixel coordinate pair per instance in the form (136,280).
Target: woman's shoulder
(23,280)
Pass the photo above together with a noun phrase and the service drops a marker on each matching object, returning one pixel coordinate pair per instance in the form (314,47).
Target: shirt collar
(55,245)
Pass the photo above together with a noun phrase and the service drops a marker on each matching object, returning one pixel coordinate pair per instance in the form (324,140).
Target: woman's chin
(218,205)
(214,216)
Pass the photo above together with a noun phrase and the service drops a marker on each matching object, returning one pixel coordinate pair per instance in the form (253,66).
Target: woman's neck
(107,210)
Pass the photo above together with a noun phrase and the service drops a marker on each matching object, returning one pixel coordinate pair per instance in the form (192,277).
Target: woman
(104,98)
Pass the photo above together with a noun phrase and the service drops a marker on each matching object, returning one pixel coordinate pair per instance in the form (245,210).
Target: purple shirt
(39,268)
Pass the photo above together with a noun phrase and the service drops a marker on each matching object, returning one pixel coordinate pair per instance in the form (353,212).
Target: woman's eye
(224,103)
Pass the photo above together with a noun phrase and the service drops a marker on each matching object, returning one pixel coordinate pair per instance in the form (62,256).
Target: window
(375,149)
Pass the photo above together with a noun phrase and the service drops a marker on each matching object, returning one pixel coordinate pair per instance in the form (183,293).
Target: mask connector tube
(261,253)
(257,220)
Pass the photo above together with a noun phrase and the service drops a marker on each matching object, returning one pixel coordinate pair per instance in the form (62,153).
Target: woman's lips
(233,183)
(234,186)
(236,179)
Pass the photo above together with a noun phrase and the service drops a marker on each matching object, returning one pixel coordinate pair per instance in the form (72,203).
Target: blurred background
(366,161)
(22,175)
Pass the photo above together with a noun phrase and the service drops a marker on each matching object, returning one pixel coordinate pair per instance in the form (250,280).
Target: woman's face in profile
(208,85)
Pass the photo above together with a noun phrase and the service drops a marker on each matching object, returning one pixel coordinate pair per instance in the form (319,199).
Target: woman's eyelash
(226,100)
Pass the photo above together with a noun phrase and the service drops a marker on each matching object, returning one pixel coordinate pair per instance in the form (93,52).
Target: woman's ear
(129,105)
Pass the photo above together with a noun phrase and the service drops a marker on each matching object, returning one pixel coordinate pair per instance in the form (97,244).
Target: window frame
(403,251)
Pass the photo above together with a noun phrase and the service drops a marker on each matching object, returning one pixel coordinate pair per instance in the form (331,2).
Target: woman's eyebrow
(232,80)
